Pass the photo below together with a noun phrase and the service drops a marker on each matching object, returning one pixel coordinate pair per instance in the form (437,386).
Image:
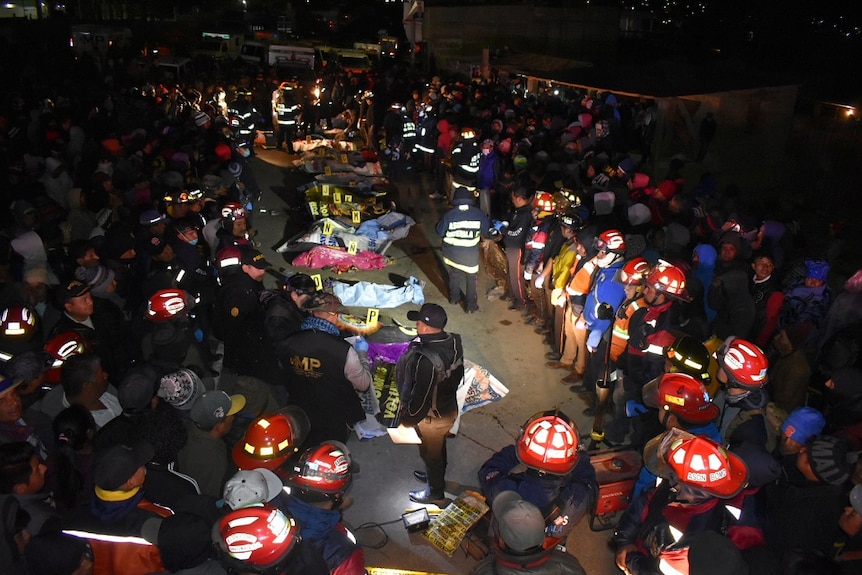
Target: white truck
(95,40)
(292,57)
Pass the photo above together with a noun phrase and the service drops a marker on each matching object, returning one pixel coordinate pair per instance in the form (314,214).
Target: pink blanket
(338,258)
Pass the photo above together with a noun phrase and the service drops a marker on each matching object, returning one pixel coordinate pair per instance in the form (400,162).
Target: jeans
(433,430)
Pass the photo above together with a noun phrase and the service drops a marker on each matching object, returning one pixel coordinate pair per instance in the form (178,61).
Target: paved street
(495,338)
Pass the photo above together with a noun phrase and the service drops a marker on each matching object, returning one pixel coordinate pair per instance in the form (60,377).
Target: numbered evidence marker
(325,191)
(356,215)
(336,197)
(343,158)
(327,228)
(318,282)
(348,198)
(352,247)
(327,170)
(372,316)
(308,138)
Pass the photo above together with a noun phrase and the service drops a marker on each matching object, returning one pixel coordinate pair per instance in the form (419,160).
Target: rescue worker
(703,489)
(743,374)
(465,161)
(284,309)
(263,540)
(541,244)
(327,373)
(489,173)
(545,468)
(462,228)
(649,334)
(285,111)
(243,118)
(561,270)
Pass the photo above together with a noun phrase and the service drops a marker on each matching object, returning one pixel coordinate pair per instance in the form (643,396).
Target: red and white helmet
(167,304)
(544,202)
(270,440)
(611,241)
(682,395)
(61,347)
(19,322)
(233,211)
(633,271)
(668,279)
(256,539)
(326,468)
(549,443)
(706,465)
(744,364)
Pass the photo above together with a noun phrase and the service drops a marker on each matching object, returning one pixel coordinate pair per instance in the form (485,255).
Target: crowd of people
(693,326)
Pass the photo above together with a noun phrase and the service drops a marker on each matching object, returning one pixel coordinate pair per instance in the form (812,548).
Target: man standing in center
(461,229)
(428,375)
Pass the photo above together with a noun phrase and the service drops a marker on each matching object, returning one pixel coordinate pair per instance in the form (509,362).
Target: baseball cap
(180,388)
(137,388)
(255,258)
(212,407)
(7,384)
(519,522)
(72,289)
(802,424)
(430,314)
(155,245)
(116,465)
(251,487)
(151,218)
(322,301)
(830,459)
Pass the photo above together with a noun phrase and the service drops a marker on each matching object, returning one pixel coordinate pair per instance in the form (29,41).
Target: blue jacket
(564,496)
(604,290)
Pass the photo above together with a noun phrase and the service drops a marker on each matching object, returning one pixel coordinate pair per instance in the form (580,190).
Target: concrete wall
(458,34)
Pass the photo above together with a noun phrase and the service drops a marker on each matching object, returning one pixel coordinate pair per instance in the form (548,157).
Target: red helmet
(611,241)
(326,468)
(229,257)
(233,211)
(549,443)
(706,465)
(256,539)
(744,363)
(60,348)
(270,440)
(19,322)
(223,152)
(468,133)
(633,271)
(668,279)
(683,396)
(544,202)
(167,304)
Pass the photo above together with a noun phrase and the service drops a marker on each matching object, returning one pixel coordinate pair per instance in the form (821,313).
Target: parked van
(255,53)
(293,57)
(219,45)
(174,69)
(354,61)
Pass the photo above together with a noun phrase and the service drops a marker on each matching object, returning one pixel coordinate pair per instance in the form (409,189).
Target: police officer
(238,315)
(461,229)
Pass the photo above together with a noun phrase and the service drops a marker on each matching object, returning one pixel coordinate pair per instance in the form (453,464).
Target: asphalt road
(495,338)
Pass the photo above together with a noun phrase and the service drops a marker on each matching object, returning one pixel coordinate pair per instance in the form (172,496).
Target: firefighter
(462,228)
(285,114)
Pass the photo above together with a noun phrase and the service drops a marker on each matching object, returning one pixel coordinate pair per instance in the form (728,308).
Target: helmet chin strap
(606,260)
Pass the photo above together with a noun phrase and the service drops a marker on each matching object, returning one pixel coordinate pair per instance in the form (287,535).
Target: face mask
(486,152)
(40,308)
(193,242)
(735,399)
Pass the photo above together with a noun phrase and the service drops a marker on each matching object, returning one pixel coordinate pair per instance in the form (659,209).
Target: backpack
(406,364)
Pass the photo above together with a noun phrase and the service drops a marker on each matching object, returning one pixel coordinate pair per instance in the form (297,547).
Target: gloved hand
(360,345)
(497,225)
(633,408)
(528,275)
(540,281)
(199,335)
